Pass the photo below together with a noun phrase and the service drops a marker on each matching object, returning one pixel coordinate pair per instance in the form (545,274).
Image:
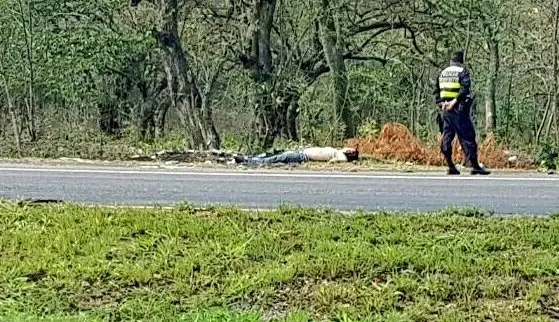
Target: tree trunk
(108,118)
(556,69)
(512,73)
(288,113)
(11,111)
(30,101)
(266,118)
(211,132)
(552,101)
(490,105)
(291,119)
(159,119)
(153,120)
(152,110)
(147,125)
(261,64)
(332,43)
(147,111)
(183,91)
(547,106)
(267,9)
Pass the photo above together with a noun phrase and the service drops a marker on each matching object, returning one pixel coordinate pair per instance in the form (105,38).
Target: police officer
(452,92)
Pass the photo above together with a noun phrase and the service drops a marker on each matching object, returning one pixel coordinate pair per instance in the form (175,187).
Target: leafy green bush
(548,156)
(369,128)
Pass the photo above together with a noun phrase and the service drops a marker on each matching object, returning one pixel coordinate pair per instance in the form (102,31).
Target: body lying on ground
(314,154)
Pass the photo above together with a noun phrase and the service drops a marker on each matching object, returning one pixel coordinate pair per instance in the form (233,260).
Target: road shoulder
(309,169)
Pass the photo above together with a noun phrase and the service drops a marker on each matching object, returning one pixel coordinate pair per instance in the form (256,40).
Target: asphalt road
(502,194)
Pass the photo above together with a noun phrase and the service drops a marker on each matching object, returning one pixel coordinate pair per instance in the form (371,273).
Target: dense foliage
(246,73)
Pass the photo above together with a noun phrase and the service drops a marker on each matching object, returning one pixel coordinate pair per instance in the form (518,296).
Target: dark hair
(352,155)
(458,57)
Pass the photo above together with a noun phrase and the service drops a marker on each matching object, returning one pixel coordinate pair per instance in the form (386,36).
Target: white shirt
(326,154)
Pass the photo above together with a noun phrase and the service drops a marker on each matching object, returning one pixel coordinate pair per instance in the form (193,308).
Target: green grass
(68,263)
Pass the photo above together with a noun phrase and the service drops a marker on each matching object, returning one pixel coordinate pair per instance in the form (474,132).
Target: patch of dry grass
(396,142)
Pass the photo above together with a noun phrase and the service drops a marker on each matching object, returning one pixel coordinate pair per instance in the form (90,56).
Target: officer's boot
(451,167)
(452,171)
(477,169)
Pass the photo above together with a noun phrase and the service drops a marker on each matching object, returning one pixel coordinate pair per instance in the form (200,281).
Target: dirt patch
(396,142)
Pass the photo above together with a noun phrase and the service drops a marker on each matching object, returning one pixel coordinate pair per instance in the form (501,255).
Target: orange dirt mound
(396,142)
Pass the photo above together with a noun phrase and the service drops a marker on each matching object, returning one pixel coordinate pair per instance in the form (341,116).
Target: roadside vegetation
(71,263)
(110,79)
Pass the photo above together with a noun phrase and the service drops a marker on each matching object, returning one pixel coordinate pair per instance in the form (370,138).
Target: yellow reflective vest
(449,82)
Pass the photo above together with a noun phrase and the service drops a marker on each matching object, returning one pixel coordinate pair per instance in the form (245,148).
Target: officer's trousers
(458,123)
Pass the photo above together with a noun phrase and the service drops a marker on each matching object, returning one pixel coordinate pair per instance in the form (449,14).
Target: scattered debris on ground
(195,157)
(190,156)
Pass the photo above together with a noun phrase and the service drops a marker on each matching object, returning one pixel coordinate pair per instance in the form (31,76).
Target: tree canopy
(255,71)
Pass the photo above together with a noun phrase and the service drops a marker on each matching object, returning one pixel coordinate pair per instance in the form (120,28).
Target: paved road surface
(503,194)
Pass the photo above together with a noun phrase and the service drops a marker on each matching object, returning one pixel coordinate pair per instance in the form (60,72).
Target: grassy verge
(67,263)
(95,148)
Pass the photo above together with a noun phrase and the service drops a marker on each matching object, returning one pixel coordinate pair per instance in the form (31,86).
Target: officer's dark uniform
(454,83)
